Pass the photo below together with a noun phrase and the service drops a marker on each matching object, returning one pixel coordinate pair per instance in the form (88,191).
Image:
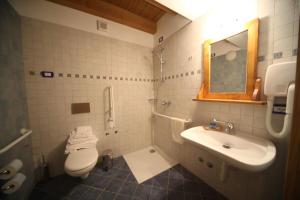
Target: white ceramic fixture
(82,152)
(279,82)
(238,150)
(81,162)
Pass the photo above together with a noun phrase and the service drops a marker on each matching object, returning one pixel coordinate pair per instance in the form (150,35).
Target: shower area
(151,161)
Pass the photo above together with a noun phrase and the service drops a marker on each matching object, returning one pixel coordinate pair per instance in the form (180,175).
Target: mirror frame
(252,50)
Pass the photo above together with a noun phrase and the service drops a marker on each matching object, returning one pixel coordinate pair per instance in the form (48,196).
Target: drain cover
(226,146)
(152,151)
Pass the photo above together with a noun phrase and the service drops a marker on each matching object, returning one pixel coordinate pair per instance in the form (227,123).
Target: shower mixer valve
(166,103)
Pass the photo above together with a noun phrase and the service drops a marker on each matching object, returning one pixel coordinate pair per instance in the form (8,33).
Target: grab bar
(111,108)
(16,141)
(169,117)
(111,103)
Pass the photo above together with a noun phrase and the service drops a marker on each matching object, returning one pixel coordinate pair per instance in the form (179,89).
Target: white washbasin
(238,150)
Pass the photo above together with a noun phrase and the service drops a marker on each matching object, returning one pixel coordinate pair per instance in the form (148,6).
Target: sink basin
(238,150)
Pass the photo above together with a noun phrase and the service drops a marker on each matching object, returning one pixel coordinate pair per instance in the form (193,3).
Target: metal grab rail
(16,141)
(169,117)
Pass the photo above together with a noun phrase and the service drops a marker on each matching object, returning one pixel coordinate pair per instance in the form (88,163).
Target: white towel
(177,126)
(84,129)
(81,138)
(82,132)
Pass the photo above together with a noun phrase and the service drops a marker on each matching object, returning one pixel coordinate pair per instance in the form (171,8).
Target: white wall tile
(278,32)
(66,50)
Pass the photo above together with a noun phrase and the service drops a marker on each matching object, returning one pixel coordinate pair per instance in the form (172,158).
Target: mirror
(230,65)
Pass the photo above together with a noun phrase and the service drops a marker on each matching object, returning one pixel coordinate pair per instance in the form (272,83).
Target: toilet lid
(81,159)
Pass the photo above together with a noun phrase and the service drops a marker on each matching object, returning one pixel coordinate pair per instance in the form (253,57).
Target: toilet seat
(81,160)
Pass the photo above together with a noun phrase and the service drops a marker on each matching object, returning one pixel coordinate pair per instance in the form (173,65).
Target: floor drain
(226,146)
(152,151)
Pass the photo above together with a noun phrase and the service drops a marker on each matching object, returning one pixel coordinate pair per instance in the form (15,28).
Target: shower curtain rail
(16,141)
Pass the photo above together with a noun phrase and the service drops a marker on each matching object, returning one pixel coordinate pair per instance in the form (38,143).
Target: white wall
(84,64)
(54,13)
(278,32)
(169,24)
(191,9)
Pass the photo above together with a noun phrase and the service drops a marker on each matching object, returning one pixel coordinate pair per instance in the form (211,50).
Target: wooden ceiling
(139,14)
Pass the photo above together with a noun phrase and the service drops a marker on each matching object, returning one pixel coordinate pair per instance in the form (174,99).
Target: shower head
(158,51)
(160,48)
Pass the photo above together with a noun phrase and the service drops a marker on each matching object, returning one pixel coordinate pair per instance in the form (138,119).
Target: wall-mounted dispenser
(280,83)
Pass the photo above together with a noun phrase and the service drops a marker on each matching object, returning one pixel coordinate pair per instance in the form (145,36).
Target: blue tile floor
(119,184)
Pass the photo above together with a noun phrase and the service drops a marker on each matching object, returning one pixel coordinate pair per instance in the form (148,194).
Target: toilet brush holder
(107,160)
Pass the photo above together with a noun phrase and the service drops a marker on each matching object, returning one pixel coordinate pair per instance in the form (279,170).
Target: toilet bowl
(81,162)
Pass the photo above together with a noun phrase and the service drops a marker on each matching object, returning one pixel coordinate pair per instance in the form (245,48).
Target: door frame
(292,175)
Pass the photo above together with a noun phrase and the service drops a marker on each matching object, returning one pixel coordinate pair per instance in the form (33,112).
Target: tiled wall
(84,64)
(13,107)
(182,73)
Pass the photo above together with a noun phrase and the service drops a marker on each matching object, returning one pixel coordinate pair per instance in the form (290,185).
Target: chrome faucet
(165,103)
(229,126)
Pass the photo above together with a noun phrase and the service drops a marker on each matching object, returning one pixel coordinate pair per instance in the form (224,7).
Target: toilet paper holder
(8,187)
(14,184)
(4,171)
(11,169)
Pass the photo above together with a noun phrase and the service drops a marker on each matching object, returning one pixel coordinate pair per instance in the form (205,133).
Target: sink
(238,150)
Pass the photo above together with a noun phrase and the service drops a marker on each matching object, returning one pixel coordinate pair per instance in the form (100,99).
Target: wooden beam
(111,12)
(160,6)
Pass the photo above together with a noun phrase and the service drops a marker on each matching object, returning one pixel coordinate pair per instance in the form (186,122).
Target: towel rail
(169,117)
(16,141)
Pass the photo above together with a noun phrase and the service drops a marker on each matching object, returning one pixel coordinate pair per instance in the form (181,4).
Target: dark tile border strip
(295,52)
(84,76)
(116,78)
(277,55)
(32,73)
(260,58)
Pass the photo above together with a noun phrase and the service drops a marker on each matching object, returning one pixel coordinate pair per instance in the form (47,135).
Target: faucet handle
(229,127)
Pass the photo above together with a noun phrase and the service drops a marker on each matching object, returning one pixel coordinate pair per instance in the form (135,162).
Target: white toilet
(81,162)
